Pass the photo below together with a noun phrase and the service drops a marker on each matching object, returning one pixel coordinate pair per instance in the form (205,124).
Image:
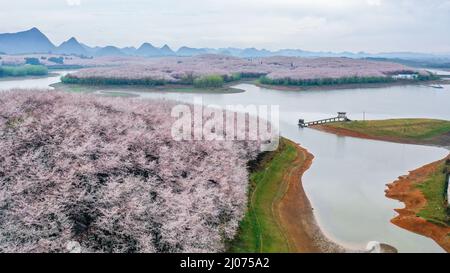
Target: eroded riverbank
(419,190)
(279,217)
(406,190)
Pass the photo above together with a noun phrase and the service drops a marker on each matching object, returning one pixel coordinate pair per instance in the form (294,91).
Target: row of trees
(70,79)
(21,71)
(207,81)
(210,81)
(106,173)
(325,81)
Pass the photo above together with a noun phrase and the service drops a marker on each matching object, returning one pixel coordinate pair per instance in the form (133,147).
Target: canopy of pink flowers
(173,69)
(105,172)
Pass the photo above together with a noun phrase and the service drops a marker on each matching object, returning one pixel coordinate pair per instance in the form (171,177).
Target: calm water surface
(28,83)
(347,180)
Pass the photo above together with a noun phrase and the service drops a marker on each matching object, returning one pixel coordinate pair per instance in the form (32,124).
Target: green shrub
(57,60)
(36,70)
(323,81)
(32,61)
(429,77)
(21,71)
(69,79)
(211,81)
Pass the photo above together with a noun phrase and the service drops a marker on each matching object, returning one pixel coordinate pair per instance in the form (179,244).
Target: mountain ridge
(34,41)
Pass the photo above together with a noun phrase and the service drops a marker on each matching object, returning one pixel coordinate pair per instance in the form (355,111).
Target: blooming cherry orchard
(93,174)
(179,69)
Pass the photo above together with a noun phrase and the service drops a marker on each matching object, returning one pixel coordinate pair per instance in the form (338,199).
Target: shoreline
(229,86)
(228,89)
(296,214)
(279,216)
(441,141)
(15,78)
(348,86)
(405,191)
(294,228)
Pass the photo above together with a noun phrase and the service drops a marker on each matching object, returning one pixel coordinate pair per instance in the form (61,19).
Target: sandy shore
(404,189)
(296,215)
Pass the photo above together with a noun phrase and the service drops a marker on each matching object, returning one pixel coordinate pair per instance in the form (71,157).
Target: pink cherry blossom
(105,173)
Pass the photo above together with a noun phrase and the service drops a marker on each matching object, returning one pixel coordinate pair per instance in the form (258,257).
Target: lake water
(347,180)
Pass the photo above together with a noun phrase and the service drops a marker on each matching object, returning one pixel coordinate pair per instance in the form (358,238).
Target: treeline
(209,81)
(217,81)
(69,79)
(325,81)
(429,77)
(22,71)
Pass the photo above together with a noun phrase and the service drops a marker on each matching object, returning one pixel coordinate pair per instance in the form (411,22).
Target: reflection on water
(347,180)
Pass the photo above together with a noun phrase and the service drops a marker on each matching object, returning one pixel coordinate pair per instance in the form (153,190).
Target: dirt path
(295,213)
(404,190)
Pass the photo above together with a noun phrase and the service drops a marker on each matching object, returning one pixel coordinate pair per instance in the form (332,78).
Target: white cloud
(73,2)
(336,25)
(374,2)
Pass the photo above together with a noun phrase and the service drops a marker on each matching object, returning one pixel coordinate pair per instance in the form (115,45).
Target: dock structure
(342,117)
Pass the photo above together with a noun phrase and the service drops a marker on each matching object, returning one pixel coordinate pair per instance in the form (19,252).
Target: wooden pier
(342,117)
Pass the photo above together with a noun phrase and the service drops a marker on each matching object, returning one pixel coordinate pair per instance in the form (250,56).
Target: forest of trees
(21,71)
(107,174)
(324,81)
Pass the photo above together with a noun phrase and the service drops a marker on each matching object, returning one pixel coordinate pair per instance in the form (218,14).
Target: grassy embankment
(260,231)
(419,131)
(423,191)
(279,217)
(430,203)
(23,71)
(121,90)
(434,189)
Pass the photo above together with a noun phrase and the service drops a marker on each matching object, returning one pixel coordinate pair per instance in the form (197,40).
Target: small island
(412,131)
(425,190)
(215,71)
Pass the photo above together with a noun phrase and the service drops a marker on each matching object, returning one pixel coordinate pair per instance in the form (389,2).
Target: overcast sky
(325,25)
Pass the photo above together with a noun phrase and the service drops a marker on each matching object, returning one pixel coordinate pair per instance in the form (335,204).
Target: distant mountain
(189,51)
(166,51)
(109,51)
(30,41)
(34,41)
(255,53)
(148,50)
(72,46)
(129,50)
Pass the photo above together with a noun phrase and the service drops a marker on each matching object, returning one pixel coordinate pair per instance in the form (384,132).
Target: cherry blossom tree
(104,174)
